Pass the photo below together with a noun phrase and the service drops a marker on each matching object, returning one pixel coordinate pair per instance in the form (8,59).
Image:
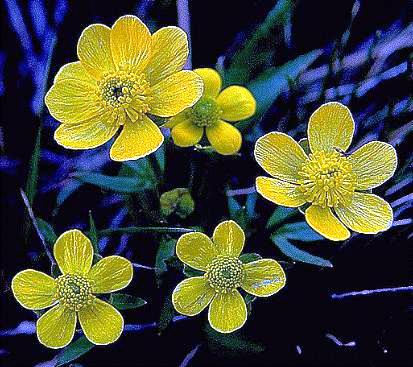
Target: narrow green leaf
(33,174)
(167,314)
(191,272)
(93,234)
(126,301)
(112,183)
(73,351)
(249,257)
(47,231)
(279,215)
(166,250)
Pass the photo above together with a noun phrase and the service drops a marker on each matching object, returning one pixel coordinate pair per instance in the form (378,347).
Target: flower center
(74,291)
(205,112)
(225,273)
(327,179)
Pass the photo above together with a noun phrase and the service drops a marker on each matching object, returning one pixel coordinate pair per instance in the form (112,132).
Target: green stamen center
(74,291)
(225,273)
(205,112)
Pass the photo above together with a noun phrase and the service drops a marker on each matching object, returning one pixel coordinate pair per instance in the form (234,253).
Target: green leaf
(238,213)
(112,183)
(300,231)
(249,257)
(191,272)
(126,301)
(32,178)
(73,351)
(93,234)
(279,215)
(47,231)
(165,251)
(167,314)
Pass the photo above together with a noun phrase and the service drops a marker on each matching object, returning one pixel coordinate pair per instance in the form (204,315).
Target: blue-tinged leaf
(73,351)
(299,231)
(66,191)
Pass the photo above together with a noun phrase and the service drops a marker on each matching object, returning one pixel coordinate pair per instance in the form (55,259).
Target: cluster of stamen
(74,291)
(205,112)
(327,179)
(225,273)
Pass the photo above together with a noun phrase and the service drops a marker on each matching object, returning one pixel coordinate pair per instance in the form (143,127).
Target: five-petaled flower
(214,113)
(224,273)
(72,294)
(328,179)
(124,74)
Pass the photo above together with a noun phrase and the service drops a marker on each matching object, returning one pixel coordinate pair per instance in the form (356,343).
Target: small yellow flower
(333,183)
(212,113)
(72,294)
(124,74)
(224,273)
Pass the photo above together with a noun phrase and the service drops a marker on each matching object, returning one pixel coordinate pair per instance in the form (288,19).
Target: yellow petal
(101,322)
(33,289)
(212,81)
(131,43)
(237,103)
(367,213)
(192,296)
(175,93)
(331,126)
(73,252)
(136,140)
(229,238)
(373,164)
(227,312)
(263,277)
(175,120)
(280,192)
(323,221)
(55,328)
(224,137)
(169,53)
(74,70)
(186,134)
(280,155)
(93,50)
(195,249)
(110,274)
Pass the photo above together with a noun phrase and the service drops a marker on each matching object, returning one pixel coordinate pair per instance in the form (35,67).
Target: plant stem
(368,292)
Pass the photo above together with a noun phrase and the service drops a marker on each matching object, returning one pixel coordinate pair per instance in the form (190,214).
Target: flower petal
(367,213)
(75,71)
(169,53)
(224,137)
(212,81)
(186,134)
(280,192)
(93,50)
(110,274)
(101,322)
(263,277)
(192,295)
(73,252)
(237,103)
(196,250)
(175,93)
(331,126)
(33,289)
(323,221)
(227,312)
(374,163)
(56,328)
(131,43)
(280,156)
(229,238)
(136,140)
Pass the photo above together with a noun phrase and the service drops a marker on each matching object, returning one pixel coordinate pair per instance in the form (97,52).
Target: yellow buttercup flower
(123,74)
(224,273)
(73,294)
(333,183)
(213,113)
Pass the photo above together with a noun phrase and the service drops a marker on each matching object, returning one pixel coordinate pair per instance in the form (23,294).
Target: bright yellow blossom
(212,114)
(72,294)
(123,74)
(330,182)
(224,273)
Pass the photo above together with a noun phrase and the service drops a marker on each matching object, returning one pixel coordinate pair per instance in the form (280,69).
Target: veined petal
(175,93)
(186,134)
(93,50)
(224,137)
(263,277)
(331,126)
(110,274)
(367,213)
(175,120)
(196,250)
(33,289)
(229,238)
(280,192)
(169,53)
(237,103)
(75,71)
(192,296)
(323,221)
(212,81)
(56,328)
(131,43)
(101,322)
(136,140)
(73,252)
(227,312)
(280,156)
(374,163)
